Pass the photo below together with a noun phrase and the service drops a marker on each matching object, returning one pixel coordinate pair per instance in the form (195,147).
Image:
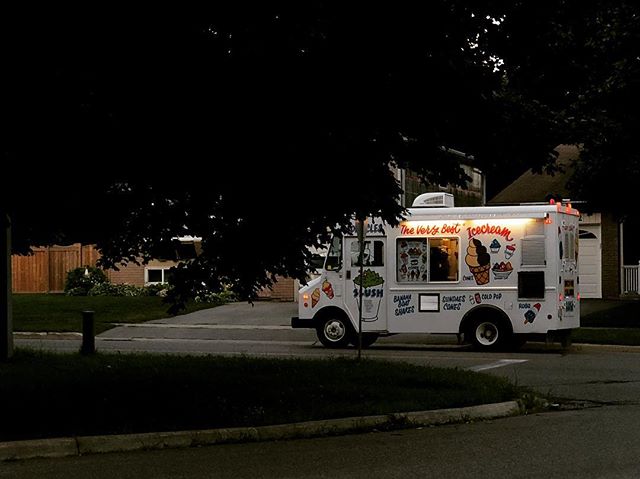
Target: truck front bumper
(297,322)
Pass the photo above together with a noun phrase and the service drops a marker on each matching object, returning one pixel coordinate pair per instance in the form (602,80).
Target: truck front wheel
(333,331)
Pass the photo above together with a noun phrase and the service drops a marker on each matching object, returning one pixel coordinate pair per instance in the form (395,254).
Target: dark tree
(576,66)
(260,127)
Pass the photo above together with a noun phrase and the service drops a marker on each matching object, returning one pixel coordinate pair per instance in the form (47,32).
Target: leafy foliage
(80,281)
(298,111)
(577,63)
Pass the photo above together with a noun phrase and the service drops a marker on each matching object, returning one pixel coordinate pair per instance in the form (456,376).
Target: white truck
(495,276)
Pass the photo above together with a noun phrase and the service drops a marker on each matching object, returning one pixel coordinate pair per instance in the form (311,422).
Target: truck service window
(422,260)
(443,259)
(373,253)
(334,255)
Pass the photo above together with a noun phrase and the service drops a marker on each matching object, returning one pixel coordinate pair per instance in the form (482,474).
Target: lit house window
(156,275)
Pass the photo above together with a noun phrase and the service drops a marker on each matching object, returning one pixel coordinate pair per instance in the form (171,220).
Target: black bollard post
(88,338)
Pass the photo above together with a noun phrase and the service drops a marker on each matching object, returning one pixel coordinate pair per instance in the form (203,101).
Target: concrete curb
(46,335)
(615,348)
(60,447)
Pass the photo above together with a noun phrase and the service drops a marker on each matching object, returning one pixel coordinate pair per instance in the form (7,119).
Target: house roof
(534,187)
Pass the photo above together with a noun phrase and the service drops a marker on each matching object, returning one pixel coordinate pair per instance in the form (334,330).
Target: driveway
(263,321)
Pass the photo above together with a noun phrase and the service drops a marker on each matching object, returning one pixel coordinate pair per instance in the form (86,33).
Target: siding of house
(130,274)
(284,290)
(610,257)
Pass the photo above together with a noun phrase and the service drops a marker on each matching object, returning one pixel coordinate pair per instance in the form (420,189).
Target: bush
(109,289)
(216,298)
(159,289)
(81,280)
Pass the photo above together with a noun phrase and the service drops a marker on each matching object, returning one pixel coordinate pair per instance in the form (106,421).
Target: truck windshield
(334,256)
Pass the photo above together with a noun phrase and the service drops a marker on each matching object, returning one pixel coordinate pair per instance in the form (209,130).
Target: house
(601,250)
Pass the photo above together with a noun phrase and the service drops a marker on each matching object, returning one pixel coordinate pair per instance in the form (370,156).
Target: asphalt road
(584,373)
(593,433)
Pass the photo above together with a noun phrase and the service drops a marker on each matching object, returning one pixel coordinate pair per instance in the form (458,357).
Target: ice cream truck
(495,276)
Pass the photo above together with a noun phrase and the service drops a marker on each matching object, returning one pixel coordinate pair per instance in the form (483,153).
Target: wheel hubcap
(486,333)
(334,330)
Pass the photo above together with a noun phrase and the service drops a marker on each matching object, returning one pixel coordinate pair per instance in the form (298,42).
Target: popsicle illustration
(531,314)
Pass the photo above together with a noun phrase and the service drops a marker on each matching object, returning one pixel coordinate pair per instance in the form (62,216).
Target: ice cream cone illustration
(327,289)
(478,261)
(372,292)
(315,297)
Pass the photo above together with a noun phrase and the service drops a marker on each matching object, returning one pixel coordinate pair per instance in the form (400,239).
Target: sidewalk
(61,447)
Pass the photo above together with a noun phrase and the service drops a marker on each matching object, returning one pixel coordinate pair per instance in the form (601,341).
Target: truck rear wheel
(487,333)
(334,330)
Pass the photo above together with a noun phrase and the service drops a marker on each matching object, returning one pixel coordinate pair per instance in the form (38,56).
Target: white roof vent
(434,200)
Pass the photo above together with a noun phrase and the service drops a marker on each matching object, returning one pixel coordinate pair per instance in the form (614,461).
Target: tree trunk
(6,316)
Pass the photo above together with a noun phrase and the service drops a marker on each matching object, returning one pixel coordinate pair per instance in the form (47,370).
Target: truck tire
(334,330)
(488,333)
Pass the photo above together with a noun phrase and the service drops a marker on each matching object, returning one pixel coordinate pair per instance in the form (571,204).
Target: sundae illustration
(502,270)
(372,292)
(495,246)
(315,297)
(531,314)
(478,261)
(327,289)
(509,250)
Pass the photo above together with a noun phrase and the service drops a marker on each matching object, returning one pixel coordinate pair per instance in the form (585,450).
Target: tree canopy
(259,125)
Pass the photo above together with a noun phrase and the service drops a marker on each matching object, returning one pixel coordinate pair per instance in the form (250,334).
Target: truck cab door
(374,317)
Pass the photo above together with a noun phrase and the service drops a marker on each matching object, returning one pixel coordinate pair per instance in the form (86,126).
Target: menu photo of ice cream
(479,261)
(412,260)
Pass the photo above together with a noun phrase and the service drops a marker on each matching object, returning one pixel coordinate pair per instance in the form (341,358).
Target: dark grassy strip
(60,313)
(624,314)
(50,395)
(619,336)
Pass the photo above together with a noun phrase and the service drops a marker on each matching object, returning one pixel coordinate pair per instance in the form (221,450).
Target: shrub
(215,298)
(109,289)
(159,289)
(81,280)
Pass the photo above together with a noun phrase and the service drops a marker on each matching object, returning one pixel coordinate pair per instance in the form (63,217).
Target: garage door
(590,262)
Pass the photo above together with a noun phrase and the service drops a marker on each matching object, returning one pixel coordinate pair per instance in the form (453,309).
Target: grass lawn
(60,313)
(620,336)
(626,314)
(52,395)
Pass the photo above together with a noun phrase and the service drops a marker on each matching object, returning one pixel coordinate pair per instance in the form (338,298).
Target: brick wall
(284,290)
(610,257)
(131,274)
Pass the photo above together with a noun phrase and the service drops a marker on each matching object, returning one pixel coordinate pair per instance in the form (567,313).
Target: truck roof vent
(434,200)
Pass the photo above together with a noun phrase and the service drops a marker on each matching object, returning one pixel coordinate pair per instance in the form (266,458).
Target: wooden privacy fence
(45,271)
